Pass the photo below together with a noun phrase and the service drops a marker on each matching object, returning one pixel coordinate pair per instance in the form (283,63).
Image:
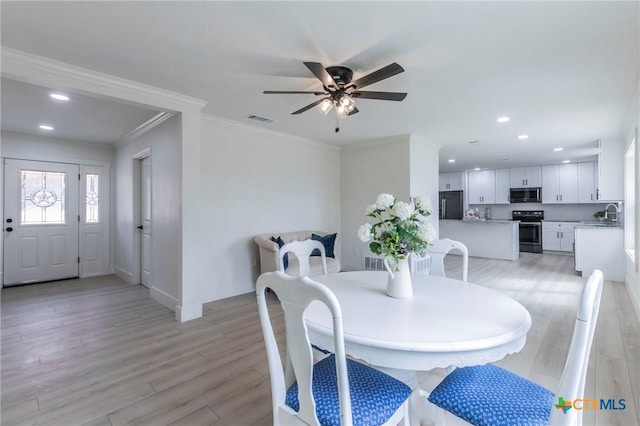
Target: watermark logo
(590,404)
(563,405)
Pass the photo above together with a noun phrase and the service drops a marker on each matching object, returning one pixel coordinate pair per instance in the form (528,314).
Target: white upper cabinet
(611,171)
(482,187)
(452,181)
(560,184)
(587,182)
(503,186)
(526,177)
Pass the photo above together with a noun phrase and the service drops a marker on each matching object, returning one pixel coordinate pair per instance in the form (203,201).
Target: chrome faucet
(606,211)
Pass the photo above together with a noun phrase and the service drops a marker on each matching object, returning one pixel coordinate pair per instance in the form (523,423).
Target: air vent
(373,263)
(258,118)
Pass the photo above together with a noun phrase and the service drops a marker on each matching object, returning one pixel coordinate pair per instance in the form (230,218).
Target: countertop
(603,225)
(489,221)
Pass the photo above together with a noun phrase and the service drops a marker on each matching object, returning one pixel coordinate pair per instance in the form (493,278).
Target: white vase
(399,283)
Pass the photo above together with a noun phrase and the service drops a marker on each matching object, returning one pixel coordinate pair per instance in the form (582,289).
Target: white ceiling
(565,72)
(82,118)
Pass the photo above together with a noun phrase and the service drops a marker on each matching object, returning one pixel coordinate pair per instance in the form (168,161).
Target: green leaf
(375,247)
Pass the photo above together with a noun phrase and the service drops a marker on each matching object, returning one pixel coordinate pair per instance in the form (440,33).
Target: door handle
(9,229)
(140,227)
(9,220)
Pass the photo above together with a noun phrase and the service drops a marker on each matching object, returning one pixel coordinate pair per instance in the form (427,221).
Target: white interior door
(145,221)
(41,221)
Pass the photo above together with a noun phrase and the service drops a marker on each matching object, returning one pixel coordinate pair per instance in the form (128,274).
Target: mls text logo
(590,404)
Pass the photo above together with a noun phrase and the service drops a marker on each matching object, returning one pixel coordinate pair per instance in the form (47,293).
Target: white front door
(41,221)
(145,221)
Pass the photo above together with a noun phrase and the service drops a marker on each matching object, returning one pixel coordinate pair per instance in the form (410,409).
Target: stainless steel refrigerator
(451,204)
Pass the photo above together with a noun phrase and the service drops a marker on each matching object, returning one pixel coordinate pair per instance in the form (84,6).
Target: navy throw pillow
(328,241)
(280,242)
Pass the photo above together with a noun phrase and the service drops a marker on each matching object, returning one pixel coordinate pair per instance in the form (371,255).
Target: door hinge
(78,176)
(78,259)
(78,218)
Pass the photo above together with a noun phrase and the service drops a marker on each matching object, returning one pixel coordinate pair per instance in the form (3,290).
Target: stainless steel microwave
(526,195)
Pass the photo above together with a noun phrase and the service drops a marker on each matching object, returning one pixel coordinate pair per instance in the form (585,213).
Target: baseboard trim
(188,312)
(634,302)
(125,275)
(164,298)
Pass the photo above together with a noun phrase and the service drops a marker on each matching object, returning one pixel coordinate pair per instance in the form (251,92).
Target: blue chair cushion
(488,395)
(375,396)
(280,242)
(328,241)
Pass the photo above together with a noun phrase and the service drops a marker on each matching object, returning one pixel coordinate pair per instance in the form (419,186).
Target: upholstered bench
(270,261)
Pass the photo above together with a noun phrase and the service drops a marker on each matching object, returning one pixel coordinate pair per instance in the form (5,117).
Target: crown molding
(35,69)
(144,128)
(261,130)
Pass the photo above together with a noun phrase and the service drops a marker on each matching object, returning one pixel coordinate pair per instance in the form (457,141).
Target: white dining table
(446,323)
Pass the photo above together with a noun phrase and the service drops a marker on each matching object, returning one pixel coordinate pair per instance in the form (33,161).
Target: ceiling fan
(340,91)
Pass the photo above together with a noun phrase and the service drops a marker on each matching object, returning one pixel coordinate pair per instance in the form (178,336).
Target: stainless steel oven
(530,229)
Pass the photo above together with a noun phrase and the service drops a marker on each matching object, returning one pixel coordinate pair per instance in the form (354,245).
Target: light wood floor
(101,352)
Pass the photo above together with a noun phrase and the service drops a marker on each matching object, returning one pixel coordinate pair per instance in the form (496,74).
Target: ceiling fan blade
(316,103)
(355,111)
(319,71)
(386,72)
(278,92)
(384,96)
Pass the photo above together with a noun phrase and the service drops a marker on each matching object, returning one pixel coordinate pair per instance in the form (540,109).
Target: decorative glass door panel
(42,197)
(92,198)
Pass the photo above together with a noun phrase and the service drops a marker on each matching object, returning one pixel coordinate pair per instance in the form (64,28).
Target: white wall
(368,169)
(424,173)
(28,147)
(258,182)
(165,144)
(632,277)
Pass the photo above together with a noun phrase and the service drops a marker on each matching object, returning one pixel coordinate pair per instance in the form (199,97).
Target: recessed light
(523,137)
(59,97)
(46,127)
(452,161)
(566,161)
(503,119)
(476,169)
(474,142)
(558,149)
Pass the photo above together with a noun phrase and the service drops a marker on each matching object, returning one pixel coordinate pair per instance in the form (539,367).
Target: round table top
(446,322)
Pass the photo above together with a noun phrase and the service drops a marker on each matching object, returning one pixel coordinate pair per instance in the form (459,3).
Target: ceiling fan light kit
(340,91)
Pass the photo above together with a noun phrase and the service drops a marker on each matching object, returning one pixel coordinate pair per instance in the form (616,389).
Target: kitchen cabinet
(451,181)
(482,187)
(611,171)
(526,177)
(503,186)
(558,236)
(600,247)
(587,182)
(560,184)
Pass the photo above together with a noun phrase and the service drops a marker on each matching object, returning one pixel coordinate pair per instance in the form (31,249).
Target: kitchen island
(600,247)
(492,239)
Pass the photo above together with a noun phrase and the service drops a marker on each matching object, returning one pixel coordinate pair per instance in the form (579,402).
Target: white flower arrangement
(402,228)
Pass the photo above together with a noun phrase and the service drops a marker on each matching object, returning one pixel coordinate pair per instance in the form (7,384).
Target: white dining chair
(303,251)
(335,391)
(439,249)
(489,395)
(420,264)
